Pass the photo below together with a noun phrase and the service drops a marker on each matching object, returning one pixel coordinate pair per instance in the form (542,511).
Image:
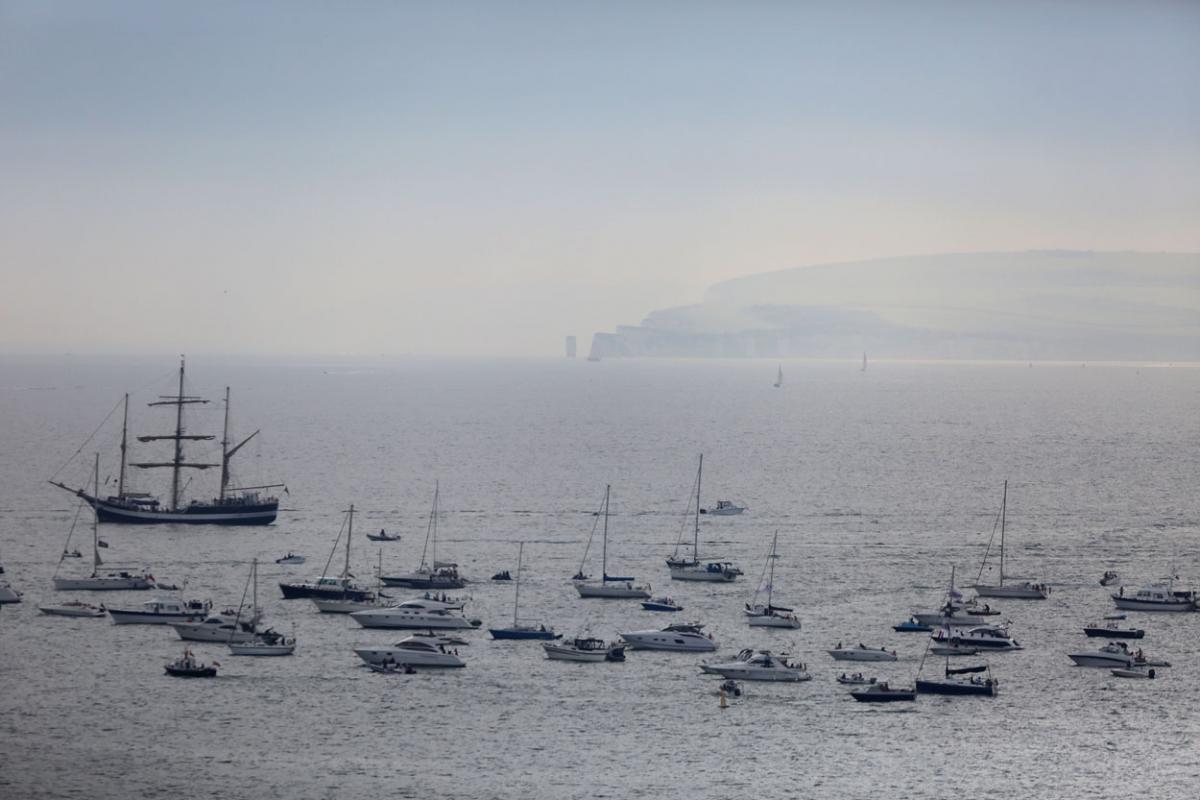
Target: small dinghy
(503,575)
(186,666)
(290,558)
(1114,631)
(882,693)
(1109,578)
(1117,615)
(383,536)
(861,653)
(857,679)
(661,604)
(912,626)
(73,609)
(1133,673)
(72,554)
(730,688)
(392,668)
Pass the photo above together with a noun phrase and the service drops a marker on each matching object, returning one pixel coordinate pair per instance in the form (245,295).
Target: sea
(881,485)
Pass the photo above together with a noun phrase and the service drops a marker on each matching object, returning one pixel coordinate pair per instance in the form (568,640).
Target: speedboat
(761,665)
(1115,654)
(281,646)
(403,616)
(223,628)
(661,604)
(74,608)
(1156,598)
(1114,631)
(960,681)
(723,508)
(585,648)
(161,611)
(1109,578)
(682,637)
(857,679)
(730,688)
(984,637)
(72,554)
(417,651)
(882,693)
(912,626)
(290,558)
(862,653)
(186,666)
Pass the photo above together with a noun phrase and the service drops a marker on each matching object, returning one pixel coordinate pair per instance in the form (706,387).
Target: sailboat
(779,378)
(521,630)
(111,580)
(770,615)
(328,586)
(440,575)
(1015,591)
(242,505)
(693,569)
(609,586)
(864,363)
(342,605)
(261,643)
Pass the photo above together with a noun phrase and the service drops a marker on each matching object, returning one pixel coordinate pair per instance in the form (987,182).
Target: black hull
(195,514)
(938,687)
(298,591)
(1107,633)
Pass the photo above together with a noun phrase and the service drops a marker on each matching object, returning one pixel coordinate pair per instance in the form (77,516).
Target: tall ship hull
(116,511)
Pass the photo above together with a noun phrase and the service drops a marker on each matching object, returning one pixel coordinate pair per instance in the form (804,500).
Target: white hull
(9,594)
(401,656)
(612,591)
(743,673)
(71,611)
(773,621)
(401,618)
(937,619)
(1023,592)
(666,640)
(565,653)
(1102,660)
(261,649)
(134,617)
(854,654)
(700,573)
(343,606)
(1131,604)
(102,583)
(201,632)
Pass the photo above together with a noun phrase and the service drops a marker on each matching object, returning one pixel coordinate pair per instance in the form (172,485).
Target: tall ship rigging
(233,505)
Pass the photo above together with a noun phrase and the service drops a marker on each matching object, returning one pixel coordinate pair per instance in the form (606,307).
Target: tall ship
(233,505)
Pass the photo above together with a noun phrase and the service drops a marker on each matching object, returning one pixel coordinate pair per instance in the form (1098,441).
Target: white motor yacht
(73,608)
(1156,598)
(402,616)
(223,628)
(681,637)
(1115,654)
(162,611)
(416,651)
(584,648)
(761,665)
(861,653)
(984,637)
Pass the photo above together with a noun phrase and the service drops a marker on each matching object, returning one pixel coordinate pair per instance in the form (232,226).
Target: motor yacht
(584,648)
(862,653)
(1115,654)
(1156,598)
(403,616)
(682,637)
(760,665)
(282,646)
(983,637)
(416,651)
(223,627)
(162,611)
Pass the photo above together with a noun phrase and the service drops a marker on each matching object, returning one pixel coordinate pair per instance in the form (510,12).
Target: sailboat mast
(96,519)
(254,607)
(124,436)
(349,530)
(225,449)
(437,490)
(771,578)
(604,546)
(517,598)
(178,443)
(696,529)
(1003,510)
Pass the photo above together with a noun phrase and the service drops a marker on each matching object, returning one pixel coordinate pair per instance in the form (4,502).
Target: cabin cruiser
(161,611)
(682,637)
(416,651)
(326,586)
(761,665)
(862,653)
(1113,631)
(1156,598)
(224,627)
(584,648)
(984,637)
(1115,654)
(723,508)
(661,604)
(881,692)
(74,608)
(409,616)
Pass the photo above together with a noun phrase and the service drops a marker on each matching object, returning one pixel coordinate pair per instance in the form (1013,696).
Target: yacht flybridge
(681,637)
(609,586)
(1013,591)
(684,568)
(244,505)
(1157,598)
(761,665)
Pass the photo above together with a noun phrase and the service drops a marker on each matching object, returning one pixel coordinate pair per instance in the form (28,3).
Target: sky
(467,178)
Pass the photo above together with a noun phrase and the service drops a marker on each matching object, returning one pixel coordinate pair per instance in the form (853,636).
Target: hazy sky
(456,177)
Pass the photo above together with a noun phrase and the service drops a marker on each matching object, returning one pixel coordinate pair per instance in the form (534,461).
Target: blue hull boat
(912,626)
(523,633)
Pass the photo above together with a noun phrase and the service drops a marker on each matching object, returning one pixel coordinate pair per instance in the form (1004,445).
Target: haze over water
(878,484)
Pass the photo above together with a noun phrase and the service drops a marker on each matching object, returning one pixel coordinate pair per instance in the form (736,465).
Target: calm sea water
(878,484)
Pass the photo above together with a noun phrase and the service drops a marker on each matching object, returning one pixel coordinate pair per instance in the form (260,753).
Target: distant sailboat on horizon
(864,364)
(779,378)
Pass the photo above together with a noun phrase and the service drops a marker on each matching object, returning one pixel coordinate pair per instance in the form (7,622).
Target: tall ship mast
(238,505)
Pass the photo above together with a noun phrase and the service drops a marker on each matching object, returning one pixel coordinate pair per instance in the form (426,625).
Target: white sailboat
(779,378)
(110,580)
(1015,591)
(864,361)
(769,615)
(693,569)
(264,643)
(609,586)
